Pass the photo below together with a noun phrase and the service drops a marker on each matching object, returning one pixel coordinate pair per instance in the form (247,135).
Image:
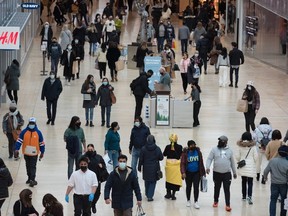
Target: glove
(67,198)
(91,197)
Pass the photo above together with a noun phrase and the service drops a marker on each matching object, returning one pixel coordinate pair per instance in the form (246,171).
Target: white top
(101,56)
(109,26)
(82,183)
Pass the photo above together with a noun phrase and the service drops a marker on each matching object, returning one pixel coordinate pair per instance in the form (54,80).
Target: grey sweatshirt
(278,167)
(223,160)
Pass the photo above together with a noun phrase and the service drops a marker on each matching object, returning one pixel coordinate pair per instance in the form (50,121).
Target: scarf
(14,118)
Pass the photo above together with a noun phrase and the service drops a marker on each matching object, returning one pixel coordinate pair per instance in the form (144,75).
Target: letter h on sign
(9,38)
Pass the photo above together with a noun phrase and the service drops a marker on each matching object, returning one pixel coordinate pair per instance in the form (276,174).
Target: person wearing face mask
(149,163)
(122,181)
(203,46)
(108,28)
(195,96)
(172,168)
(67,60)
(194,69)
(104,99)
(46,34)
(32,142)
(51,90)
(112,143)
(11,121)
(192,169)
(96,164)
(74,130)
(65,37)
(168,59)
(102,59)
(165,77)
(236,58)
(24,205)
(160,35)
(224,162)
(78,50)
(184,65)
(99,26)
(138,137)
(84,183)
(5,182)
(88,91)
(52,206)
(253,98)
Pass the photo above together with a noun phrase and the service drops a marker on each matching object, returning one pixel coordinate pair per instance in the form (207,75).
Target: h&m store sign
(9,38)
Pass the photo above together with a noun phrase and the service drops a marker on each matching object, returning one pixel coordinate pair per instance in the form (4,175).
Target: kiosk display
(163,110)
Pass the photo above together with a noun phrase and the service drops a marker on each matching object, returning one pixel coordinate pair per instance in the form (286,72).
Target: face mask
(192,148)
(69,47)
(162,73)
(76,41)
(118,127)
(249,88)
(78,124)
(137,124)
(221,145)
(31,126)
(105,83)
(12,109)
(122,165)
(52,76)
(83,168)
(90,153)
(196,55)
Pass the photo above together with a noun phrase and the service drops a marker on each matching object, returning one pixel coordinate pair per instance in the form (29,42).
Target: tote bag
(119,65)
(242,106)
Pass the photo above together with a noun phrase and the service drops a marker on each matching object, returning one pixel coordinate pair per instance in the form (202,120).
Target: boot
(168,194)
(78,75)
(173,195)
(231,84)
(91,124)
(263,180)
(87,123)
(103,123)
(258,176)
(116,78)
(112,80)
(236,86)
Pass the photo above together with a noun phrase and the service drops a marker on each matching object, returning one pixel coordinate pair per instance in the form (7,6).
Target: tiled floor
(218,116)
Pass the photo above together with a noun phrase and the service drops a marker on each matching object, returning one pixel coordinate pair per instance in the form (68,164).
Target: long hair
(26,197)
(2,164)
(197,86)
(72,124)
(103,47)
(87,81)
(52,205)
(224,52)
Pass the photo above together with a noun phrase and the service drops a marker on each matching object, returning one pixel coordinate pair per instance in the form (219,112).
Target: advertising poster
(163,110)
(153,63)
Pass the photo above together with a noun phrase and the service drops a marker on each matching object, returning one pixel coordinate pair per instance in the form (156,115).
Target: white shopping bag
(204,184)
(108,162)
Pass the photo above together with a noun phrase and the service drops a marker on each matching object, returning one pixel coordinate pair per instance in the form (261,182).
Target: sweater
(278,168)
(112,141)
(272,149)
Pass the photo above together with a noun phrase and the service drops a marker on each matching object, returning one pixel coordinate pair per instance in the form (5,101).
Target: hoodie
(223,160)
(5,182)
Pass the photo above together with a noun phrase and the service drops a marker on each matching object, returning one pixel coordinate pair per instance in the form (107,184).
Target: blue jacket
(112,141)
(122,191)
(138,136)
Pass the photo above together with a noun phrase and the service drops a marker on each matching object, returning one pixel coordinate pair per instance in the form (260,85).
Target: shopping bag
(96,64)
(140,211)
(242,106)
(174,44)
(119,65)
(204,184)
(108,162)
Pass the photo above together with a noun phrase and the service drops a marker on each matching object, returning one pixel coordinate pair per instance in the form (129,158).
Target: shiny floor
(218,116)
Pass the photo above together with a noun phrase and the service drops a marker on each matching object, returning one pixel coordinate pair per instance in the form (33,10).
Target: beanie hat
(13,104)
(223,138)
(283,151)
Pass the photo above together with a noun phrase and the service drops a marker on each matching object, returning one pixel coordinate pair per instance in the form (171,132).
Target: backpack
(134,83)
(265,140)
(72,144)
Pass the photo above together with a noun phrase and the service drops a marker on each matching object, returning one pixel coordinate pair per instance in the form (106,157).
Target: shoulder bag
(242,163)
(113,97)
(15,131)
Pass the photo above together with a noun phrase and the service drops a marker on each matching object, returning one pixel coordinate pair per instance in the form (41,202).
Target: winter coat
(5,182)
(236,57)
(14,73)
(261,129)
(65,38)
(94,161)
(272,149)
(203,47)
(50,35)
(140,55)
(68,65)
(142,86)
(122,192)
(184,161)
(197,33)
(89,103)
(78,50)
(150,156)
(255,98)
(249,170)
(112,141)
(169,32)
(103,94)
(150,31)
(92,35)
(139,136)
(6,126)
(112,56)
(51,91)
(79,33)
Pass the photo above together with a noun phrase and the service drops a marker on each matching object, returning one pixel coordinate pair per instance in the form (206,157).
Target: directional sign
(30,5)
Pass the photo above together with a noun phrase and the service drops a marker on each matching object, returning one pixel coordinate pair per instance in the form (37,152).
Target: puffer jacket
(5,182)
(249,170)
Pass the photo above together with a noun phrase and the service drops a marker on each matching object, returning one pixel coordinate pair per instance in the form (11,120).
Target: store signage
(252,25)
(9,38)
(153,63)
(30,5)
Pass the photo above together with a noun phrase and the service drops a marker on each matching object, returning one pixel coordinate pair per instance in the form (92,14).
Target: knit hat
(250,82)
(150,139)
(223,138)
(32,120)
(13,104)
(246,136)
(283,151)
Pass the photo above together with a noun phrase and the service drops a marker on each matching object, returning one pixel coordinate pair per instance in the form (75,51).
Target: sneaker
(196,205)
(48,122)
(173,198)
(28,181)
(167,196)
(32,183)
(188,204)
(215,204)
(150,199)
(243,199)
(250,202)
(263,180)
(228,208)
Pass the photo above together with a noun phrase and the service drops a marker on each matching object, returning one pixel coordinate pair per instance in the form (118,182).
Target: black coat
(50,35)
(140,55)
(173,154)
(236,57)
(68,65)
(103,94)
(5,182)
(20,210)
(112,56)
(122,191)
(79,33)
(142,86)
(78,50)
(89,103)
(94,161)
(203,46)
(51,91)
(14,73)
(149,158)
(139,136)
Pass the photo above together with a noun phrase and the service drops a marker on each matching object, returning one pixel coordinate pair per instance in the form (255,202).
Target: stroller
(58,12)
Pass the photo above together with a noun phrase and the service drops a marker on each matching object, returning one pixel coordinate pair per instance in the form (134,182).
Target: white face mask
(249,88)
(52,76)
(69,47)
(196,54)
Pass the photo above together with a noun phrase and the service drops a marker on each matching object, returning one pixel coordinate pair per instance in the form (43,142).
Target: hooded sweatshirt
(223,160)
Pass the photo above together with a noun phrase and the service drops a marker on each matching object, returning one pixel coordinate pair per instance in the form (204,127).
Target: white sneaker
(196,205)
(188,204)
(69,84)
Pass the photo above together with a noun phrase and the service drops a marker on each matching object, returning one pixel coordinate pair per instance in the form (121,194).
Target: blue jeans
(113,155)
(160,43)
(277,189)
(87,111)
(184,44)
(54,64)
(93,47)
(108,112)
(135,158)
(71,160)
(150,188)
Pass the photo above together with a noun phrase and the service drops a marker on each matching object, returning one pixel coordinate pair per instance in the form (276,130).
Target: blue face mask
(105,83)
(122,165)
(31,126)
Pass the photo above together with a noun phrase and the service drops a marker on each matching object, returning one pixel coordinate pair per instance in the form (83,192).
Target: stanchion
(44,71)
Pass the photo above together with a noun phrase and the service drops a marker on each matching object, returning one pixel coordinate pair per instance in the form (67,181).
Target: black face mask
(12,109)
(78,124)
(90,153)
(221,145)
(83,168)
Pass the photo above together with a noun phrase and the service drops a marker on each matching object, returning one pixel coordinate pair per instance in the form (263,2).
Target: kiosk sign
(30,5)
(9,38)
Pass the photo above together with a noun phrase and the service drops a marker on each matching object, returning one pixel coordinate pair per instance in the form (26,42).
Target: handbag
(87,97)
(96,64)
(159,174)
(113,97)
(140,211)
(176,67)
(204,184)
(242,163)
(242,105)
(119,65)
(15,132)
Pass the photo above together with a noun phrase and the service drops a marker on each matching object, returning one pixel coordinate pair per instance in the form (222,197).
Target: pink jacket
(184,63)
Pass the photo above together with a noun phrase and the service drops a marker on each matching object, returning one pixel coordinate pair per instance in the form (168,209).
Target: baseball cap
(223,138)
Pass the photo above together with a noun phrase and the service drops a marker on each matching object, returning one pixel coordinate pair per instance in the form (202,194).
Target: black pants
(236,75)
(192,177)
(218,179)
(184,44)
(204,58)
(11,144)
(81,205)
(184,81)
(96,195)
(196,110)
(51,105)
(130,4)
(113,73)
(14,97)
(250,118)
(102,69)
(139,104)
(31,162)
(284,49)
(247,181)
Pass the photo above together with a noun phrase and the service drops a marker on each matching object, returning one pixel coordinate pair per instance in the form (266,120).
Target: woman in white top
(222,65)
(184,64)
(102,60)
(166,12)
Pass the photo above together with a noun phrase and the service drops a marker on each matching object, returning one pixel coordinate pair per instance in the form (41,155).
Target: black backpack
(72,144)
(134,83)
(265,140)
